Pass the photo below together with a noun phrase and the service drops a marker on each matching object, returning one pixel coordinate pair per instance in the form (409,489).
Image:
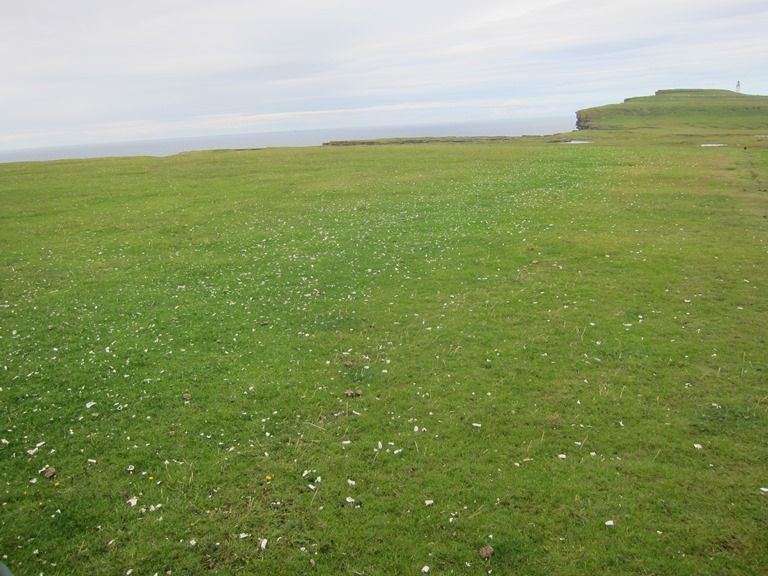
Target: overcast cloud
(85,71)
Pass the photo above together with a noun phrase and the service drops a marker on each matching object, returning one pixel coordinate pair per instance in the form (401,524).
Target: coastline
(315,137)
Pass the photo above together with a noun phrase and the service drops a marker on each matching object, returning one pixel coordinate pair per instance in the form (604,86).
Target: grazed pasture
(372,360)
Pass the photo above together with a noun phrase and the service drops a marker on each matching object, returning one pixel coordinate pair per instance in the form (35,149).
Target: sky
(77,72)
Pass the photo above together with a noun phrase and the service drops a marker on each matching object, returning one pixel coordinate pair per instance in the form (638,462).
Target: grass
(533,336)
(689,111)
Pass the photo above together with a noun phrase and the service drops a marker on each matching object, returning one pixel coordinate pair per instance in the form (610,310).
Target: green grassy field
(370,360)
(690,112)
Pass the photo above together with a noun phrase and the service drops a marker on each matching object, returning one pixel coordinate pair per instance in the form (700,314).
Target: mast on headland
(738,86)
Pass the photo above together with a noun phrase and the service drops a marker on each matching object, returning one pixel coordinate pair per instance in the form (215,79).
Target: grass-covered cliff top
(681,111)
(673,113)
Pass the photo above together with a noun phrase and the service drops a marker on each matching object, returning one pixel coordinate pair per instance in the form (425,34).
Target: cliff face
(585,120)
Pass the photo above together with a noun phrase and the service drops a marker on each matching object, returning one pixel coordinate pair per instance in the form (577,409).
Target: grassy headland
(368,360)
(682,112)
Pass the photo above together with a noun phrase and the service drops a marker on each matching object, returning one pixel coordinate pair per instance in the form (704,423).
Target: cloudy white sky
(86,71)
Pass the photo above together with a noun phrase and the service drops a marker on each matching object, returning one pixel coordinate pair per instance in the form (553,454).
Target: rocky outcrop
(585,120)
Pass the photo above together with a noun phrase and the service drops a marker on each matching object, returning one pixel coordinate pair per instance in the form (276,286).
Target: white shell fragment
(37,447)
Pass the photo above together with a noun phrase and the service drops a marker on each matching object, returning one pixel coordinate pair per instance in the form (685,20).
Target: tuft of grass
(282,355)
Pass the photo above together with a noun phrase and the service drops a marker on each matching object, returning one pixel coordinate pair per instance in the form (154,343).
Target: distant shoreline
(315,137)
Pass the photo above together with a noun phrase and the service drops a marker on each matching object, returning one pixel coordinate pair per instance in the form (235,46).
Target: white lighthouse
(738,86)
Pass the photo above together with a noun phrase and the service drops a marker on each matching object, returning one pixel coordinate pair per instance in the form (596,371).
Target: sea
(315,137)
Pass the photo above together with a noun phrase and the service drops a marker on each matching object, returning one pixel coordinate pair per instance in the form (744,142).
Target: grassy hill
(376,359)
(681,111)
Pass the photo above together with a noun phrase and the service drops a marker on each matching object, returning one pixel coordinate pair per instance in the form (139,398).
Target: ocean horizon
(290,138)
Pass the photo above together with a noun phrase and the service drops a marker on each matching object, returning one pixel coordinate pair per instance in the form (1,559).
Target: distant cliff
(585,120)
(682,110)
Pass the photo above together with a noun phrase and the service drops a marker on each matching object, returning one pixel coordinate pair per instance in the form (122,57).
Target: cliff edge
(686,110)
